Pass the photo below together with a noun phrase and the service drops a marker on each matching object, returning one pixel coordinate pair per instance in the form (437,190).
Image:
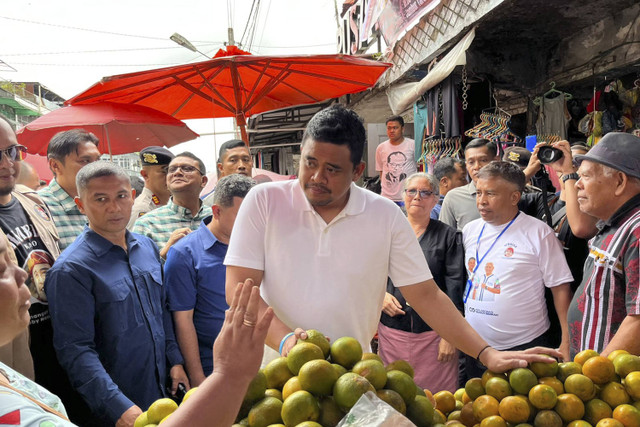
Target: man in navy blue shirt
(195,278)
(112,331)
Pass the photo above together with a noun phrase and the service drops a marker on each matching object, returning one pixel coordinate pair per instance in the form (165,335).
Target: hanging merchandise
(420,118)
(443,118)
(494,126)
(554,117)
(433,149)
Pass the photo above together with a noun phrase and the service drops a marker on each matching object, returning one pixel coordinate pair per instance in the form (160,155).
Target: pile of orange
(591,391)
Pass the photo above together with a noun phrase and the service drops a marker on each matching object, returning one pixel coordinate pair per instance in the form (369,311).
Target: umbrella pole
(242,124)
(106,131)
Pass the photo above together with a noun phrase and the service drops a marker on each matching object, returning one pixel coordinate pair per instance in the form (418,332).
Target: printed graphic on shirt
(23,236)
(37,264)
(485,285)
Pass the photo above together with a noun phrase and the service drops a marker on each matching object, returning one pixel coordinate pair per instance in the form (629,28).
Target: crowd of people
(128,300)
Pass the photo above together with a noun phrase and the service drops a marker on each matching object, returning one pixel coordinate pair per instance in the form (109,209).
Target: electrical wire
(105,50)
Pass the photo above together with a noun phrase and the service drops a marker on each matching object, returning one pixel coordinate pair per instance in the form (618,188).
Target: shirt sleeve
(552,262)
(180,280)
(379,158)
(247,243)
(140,227)
(446,214)
(74,342)
(455,272)
(407,264)
(26,413)
(632,274)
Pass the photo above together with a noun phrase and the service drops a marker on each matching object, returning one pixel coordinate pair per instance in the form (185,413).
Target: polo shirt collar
(355,205)
(102,246)
(621,214)
(207,238)
(66,201)
(471,188)
(182,211)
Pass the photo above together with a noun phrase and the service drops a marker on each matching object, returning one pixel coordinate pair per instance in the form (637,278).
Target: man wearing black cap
(605,312)
(155,193)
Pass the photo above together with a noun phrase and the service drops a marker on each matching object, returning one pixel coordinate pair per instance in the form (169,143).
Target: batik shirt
(160,223)
(609,289)
(66,215)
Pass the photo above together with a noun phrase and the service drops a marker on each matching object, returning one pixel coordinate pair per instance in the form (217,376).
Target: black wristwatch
(568,176)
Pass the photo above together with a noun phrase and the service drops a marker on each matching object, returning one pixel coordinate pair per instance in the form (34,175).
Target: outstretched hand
(239,347)
(502,361)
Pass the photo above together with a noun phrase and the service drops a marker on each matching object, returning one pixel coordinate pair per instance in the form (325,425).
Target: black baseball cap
(154,155)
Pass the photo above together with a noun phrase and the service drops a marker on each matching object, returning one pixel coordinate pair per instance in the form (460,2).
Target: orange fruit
(485,406)
(465,397)
(544,369)
(498,387)
(585,355)
(429,396)
(543,396)
(568,368)
(614,394)
(579,423)
(547,418)
(600,369)
(522,380)
(632,384)
(581,386)
(628,415)
(467,417)
(569,407)
(626,363)
(609,422)
(595,410)
(554,383)
(493,421)
(454,416)
(615,353)
(490,374)
(514,409)
(474,388)
(445,401)
(291,386)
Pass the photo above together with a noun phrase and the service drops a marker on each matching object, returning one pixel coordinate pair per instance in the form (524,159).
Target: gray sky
(68,45)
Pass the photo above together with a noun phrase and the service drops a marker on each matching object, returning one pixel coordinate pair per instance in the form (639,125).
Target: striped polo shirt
(609,289)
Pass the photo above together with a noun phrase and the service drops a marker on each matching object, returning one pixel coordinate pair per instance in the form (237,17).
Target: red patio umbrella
(237,84)
(121,128)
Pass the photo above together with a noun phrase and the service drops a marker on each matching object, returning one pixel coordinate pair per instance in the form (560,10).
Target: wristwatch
(568,176)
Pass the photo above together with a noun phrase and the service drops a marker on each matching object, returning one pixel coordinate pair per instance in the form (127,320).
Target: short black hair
(229,145)
(235,185)
(446,166)
(481,142)
(398,119)
(338,125)
(98,169)
(64,143)
(203,169)
(506,170)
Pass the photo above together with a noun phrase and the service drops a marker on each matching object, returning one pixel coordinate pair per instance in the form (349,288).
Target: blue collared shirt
(194,278)
(111,329)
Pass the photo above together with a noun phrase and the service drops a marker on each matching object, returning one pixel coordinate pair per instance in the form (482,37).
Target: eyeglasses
(183,168)
(15,153)
(423,193)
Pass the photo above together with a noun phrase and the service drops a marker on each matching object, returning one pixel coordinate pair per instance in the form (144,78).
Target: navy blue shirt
(194,276)
(111,328)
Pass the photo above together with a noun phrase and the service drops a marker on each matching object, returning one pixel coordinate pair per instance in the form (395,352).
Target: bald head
(28,176)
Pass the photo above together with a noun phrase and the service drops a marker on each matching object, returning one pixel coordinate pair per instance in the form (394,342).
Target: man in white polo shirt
(322,249)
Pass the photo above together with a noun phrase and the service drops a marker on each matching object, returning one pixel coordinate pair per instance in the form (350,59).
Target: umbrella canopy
(238,85)
(121,128)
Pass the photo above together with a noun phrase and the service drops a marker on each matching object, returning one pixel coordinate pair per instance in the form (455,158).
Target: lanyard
(479,260)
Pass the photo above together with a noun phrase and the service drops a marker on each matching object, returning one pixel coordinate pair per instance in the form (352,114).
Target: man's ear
(144,174)
(79,204)
(515,197)
(205,179)
(56,166)
(133,193)
(215,211)
(358,171)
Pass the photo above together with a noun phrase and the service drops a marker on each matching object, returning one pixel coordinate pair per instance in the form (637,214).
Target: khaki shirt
(143,204)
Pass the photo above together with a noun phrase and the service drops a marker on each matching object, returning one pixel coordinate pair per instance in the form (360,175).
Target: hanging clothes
(442,110)
(554,117)
(420,117)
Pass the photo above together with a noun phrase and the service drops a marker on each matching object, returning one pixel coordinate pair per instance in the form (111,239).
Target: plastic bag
(370,411)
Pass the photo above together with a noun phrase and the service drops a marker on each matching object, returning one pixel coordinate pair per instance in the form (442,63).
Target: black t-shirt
(36,260)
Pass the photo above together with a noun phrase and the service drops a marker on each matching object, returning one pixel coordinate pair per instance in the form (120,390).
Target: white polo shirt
(330,277)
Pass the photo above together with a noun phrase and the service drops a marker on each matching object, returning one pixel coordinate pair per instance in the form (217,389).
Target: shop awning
(401,97)
(20,109)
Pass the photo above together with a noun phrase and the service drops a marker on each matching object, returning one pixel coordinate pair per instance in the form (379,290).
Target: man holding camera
(603,202)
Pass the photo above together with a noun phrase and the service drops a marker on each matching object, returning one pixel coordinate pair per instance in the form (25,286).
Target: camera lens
(548,155)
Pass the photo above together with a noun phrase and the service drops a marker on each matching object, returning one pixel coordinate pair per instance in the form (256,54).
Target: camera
(548,154)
